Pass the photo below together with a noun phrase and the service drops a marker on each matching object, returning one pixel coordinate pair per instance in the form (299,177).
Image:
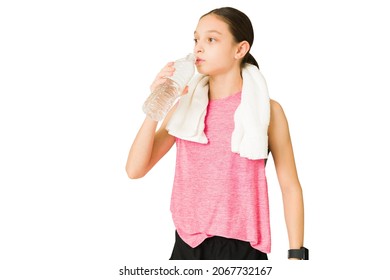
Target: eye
(211,40)
(195,41)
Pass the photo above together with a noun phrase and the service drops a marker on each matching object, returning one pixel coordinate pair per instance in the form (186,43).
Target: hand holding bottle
(161,77)
(168,85)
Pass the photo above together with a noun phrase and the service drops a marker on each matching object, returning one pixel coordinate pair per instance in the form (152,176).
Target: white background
(73,77)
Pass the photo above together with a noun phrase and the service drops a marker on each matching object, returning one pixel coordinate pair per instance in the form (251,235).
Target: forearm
(141,149)
(294,215)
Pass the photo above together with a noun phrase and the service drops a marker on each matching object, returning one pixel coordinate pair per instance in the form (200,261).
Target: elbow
(291,188)
(134,174)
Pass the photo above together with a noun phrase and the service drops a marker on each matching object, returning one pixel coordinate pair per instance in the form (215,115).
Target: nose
(198,48)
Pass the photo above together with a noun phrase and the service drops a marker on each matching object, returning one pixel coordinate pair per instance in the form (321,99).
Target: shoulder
(277,112)
(278,131)
(278,125)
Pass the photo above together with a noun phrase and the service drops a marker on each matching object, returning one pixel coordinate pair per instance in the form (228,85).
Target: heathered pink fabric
(216,192)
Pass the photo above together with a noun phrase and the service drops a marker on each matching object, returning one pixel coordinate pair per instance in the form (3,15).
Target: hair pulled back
(240,26)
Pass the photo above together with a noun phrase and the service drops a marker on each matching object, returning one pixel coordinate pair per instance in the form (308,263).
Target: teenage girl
(219,200)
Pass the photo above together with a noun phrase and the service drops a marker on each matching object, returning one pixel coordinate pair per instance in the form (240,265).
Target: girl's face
(215,48)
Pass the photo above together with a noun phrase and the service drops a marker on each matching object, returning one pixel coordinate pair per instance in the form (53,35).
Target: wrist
(298,254)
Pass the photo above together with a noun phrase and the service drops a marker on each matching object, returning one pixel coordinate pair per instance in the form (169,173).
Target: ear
(242,49)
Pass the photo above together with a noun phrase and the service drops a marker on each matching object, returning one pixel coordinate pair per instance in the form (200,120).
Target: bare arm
(282,153)
(150,146)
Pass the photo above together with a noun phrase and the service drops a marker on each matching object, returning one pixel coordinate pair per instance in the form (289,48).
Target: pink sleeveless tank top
(216,192)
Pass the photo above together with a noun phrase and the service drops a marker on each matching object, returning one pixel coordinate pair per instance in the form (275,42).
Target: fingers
(167,71)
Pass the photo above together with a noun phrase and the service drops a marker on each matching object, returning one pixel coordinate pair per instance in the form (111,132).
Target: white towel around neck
(251,118)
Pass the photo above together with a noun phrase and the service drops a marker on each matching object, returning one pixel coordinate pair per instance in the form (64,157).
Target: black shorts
(216,248)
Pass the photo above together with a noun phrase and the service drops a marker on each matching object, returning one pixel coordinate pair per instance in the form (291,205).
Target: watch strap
(302,253)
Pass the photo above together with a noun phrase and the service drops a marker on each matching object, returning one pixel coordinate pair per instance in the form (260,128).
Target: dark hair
(240,26)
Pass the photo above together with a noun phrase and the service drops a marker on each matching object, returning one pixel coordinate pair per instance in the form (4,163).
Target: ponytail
(250,59)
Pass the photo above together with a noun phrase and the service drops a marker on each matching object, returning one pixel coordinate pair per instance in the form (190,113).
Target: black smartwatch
(302,254)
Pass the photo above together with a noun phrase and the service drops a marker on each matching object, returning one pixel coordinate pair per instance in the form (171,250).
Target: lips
(199,60)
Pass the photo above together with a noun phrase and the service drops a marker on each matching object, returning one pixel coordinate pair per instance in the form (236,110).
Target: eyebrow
(210,31)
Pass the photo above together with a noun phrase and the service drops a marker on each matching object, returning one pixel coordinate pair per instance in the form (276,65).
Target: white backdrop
(73,77)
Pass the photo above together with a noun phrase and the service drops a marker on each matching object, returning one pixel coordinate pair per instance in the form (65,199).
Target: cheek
(227,51)
(221,53)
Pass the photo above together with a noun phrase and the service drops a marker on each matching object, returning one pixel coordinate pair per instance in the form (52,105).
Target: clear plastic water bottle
(164,96)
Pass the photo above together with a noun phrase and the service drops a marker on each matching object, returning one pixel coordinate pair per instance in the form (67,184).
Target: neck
(224,85)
